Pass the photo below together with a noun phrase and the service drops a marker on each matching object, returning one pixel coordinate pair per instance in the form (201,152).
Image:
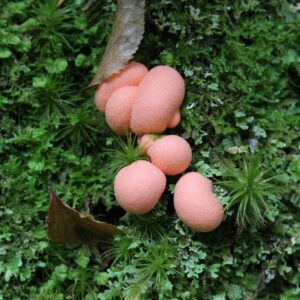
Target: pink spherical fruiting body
(175,120)
(159,96)
(195,203)
(172,154)
(139,186)
(130,75)
(118,109)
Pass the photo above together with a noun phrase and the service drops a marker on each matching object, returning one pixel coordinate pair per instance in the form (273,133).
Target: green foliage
(241,63)
(154,265)
(126,153)
(251,190)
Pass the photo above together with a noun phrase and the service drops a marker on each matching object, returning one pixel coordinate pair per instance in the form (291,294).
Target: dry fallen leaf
(59,3)
(66,225)
(125,38)
(88,5)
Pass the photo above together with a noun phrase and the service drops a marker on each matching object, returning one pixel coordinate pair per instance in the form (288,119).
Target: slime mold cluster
(146,103)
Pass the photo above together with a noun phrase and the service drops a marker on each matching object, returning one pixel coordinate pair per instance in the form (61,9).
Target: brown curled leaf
(66,225)
(88,5)
(59,3)
(127,33)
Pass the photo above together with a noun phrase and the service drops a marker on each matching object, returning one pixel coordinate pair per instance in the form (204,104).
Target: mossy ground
(241,63)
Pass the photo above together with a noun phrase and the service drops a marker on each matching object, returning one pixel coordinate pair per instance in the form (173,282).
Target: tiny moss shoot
(126,153)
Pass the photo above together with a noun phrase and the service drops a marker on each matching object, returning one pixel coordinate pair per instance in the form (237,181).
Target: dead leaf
(124,40)
(66,225)
(88,5)
(59,3)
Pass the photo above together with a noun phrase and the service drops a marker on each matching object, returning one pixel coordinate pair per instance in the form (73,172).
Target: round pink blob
(195,203)
(146,141)
(139,186)
(159,96)
(130,75)
(175,120)
(172,154)
(118,109)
